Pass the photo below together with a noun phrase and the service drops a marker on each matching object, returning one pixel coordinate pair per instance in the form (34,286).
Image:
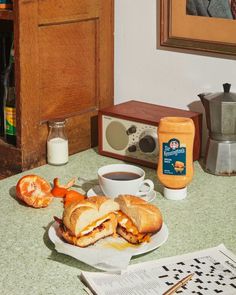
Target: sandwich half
(137,219)
(88,221)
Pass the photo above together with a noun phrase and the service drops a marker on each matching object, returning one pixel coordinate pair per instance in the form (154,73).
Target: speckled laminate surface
(30,265)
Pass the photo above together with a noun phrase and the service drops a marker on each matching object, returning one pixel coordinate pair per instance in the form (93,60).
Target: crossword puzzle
(213,271)
(210,276)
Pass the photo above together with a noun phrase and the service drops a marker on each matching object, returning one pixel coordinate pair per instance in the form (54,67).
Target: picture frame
(181,32)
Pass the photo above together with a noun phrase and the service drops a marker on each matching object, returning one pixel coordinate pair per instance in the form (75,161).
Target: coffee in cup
(116,179)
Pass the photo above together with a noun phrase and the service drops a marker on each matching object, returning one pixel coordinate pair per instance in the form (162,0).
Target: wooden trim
(106,63)
(129,159)
(28,81)
(10,159)
(17,74)
(180,32)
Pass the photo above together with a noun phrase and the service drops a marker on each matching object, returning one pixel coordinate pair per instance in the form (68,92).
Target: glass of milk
(57,143)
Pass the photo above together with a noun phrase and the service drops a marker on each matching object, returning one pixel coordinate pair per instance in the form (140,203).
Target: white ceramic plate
(156,241)
(96,191)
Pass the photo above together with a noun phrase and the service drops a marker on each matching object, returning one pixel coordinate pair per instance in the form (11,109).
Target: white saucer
(100,248)
(96,191)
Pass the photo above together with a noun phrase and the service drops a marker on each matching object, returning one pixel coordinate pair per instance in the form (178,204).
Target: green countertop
(30,265)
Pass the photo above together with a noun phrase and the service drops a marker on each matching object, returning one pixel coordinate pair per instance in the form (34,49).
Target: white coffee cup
(112,187)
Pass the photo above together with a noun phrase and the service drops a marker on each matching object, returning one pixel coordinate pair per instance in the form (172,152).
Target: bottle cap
(175,194)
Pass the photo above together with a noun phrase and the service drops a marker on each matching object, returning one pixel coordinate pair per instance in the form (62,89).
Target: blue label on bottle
(174,157)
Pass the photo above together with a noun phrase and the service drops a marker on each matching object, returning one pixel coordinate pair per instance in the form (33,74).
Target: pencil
(181,283)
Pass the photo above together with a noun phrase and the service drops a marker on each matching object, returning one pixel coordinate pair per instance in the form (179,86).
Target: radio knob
(147,144)
(131,130)
(132,148)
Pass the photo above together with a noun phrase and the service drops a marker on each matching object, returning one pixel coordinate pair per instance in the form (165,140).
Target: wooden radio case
(128,131)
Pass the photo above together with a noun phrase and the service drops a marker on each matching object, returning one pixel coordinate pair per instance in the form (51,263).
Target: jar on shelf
(57,143)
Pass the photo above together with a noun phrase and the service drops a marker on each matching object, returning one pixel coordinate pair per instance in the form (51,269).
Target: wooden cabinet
(64,69)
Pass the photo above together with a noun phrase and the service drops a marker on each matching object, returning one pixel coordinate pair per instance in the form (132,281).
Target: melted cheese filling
(111,217)
(127,224)
(124,221)
(99,225)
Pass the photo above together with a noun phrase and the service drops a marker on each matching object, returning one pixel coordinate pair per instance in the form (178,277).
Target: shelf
(10,159)
(4,144)
(6,14)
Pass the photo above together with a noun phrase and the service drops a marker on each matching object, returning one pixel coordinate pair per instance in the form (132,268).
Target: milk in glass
(57,144)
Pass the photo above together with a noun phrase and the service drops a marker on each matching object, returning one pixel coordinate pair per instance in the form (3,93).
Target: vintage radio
(128,131)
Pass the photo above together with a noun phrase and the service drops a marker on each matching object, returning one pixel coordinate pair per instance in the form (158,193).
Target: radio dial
(132,148)
(131,130)
(147,144)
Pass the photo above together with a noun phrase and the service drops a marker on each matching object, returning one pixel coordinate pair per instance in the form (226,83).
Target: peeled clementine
(34,191)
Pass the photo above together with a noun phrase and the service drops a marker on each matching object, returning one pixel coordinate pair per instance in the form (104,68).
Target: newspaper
(214,272)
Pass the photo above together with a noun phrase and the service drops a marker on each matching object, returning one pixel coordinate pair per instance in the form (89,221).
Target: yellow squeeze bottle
(175,163)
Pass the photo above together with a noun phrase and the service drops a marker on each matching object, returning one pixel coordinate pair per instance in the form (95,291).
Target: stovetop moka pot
(220,109)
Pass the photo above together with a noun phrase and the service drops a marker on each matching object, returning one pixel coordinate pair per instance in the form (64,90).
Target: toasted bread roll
(105,229)
(89,220)
(146,217)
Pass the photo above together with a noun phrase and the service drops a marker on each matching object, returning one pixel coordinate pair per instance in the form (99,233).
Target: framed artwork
(180,30)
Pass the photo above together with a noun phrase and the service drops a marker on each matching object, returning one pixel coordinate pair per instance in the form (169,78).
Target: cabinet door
(69,47)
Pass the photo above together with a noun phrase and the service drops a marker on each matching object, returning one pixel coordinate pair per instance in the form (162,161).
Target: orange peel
(73,196)
(58,190)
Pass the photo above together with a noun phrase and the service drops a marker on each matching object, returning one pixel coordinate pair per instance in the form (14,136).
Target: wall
(143,72)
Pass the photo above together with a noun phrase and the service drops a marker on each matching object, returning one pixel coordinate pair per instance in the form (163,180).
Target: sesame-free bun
(79,215)
(105,229)
(146,217)
(89,220)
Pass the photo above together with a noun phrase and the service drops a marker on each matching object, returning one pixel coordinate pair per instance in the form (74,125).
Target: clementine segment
(34,191)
